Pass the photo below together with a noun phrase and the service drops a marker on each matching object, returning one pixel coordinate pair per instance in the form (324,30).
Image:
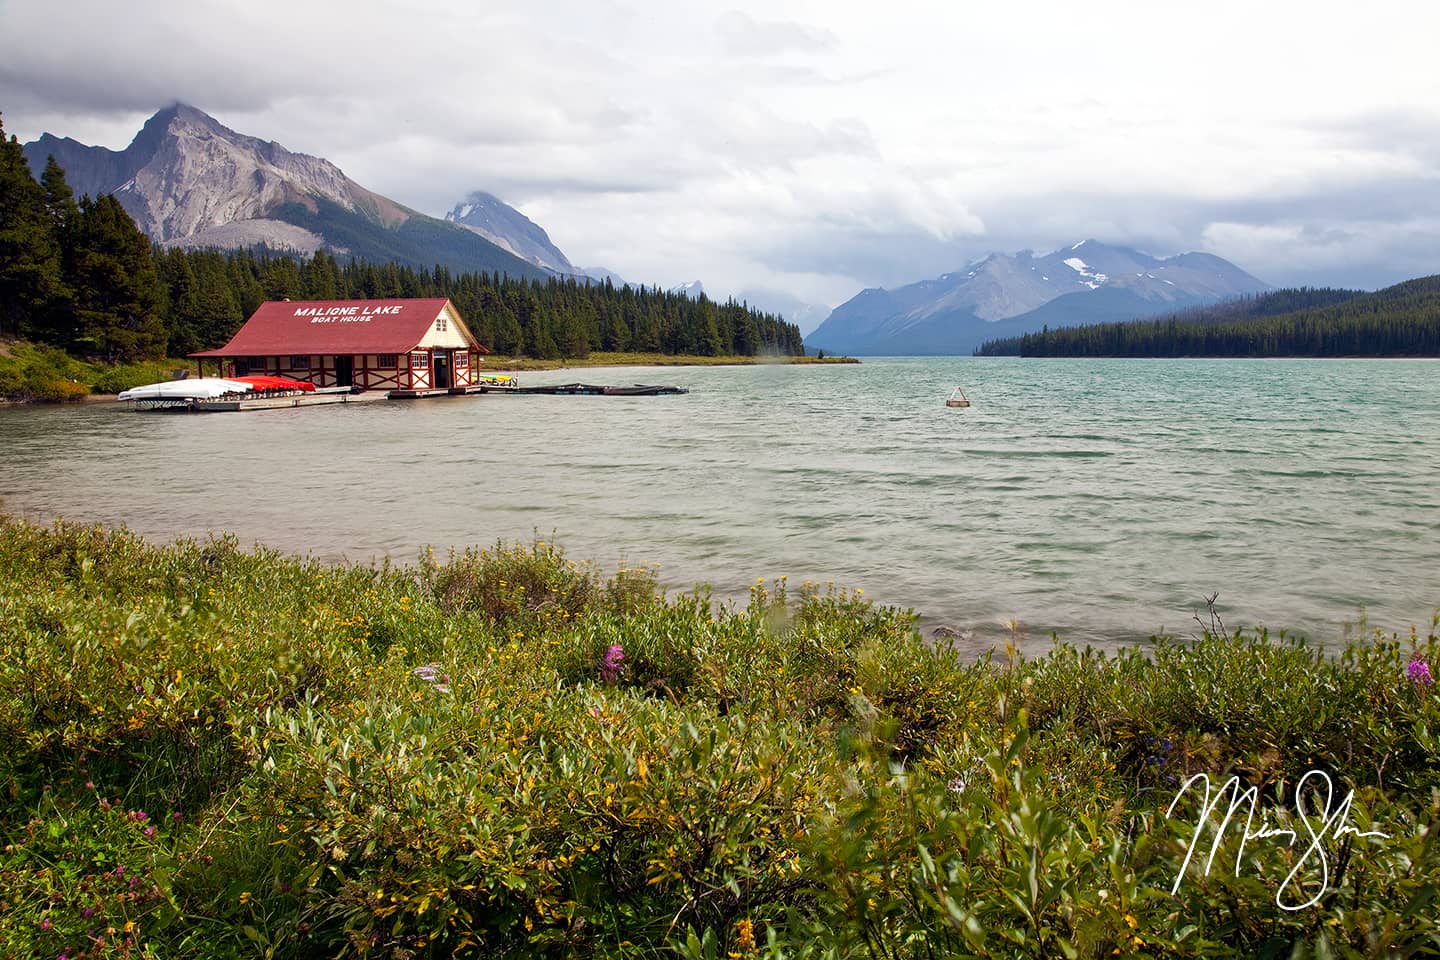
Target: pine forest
(1399,321)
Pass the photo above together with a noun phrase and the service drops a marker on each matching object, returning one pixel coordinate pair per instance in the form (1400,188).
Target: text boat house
(368,344)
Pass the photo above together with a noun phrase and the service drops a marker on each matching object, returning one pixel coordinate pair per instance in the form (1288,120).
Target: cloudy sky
(814,148)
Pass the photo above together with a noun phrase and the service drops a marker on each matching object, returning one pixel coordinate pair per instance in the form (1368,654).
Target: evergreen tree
(282,281)
(30,274)
(183,323)
(118,295)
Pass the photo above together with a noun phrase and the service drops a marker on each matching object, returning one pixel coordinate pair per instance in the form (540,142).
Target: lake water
(1100,499)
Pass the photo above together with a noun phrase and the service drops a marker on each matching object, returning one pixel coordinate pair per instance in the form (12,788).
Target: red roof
(336,327)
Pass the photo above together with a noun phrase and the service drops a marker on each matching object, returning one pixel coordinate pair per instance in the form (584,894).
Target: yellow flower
(745,935)
(245,897)
(129,926)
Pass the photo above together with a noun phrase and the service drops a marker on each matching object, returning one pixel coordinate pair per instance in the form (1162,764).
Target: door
(442,369)
(344,371)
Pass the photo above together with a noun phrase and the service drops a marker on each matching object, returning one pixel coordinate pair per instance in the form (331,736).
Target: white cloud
(743,35)
(828,146)
(1330,253)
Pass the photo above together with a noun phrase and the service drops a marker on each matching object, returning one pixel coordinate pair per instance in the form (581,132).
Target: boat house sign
(345,314)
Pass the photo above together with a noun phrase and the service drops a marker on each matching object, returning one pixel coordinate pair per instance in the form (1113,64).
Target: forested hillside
(1403,320)
(81,276)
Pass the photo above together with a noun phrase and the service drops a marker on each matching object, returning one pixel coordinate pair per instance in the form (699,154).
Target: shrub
(214,752)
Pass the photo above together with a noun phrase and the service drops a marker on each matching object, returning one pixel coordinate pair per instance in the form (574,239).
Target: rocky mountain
(1004,295)
(190,181)
(511,230)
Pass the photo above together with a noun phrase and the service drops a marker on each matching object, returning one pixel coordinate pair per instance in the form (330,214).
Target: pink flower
(610,663)
(149,831)
(1419,670)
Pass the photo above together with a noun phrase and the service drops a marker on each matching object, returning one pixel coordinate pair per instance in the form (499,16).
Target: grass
(33,372)
(212,752)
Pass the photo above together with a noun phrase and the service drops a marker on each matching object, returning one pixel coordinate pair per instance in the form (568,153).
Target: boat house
(399,345)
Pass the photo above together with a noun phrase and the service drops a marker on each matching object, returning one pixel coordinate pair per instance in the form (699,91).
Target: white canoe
(200,388)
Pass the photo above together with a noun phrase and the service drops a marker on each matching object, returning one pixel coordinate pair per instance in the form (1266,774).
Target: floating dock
(319,397)
(557,389)
(597,390)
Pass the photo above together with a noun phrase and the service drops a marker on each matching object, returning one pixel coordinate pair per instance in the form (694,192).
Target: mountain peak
(492,218)
(694,289)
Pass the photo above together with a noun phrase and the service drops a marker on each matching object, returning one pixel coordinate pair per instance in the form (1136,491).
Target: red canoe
(262,382)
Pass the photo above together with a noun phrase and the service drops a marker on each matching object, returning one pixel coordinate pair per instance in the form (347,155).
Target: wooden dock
(557,389)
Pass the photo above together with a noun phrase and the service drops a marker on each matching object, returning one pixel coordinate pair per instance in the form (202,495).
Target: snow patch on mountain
(1091,279)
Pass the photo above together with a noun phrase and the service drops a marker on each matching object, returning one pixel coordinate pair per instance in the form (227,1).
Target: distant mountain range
(189,181)
(806,316)
(1007,295)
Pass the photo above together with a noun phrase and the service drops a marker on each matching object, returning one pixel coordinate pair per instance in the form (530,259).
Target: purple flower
(150,831)
(610,663)
(1419,671)
(45,924)
(431,674)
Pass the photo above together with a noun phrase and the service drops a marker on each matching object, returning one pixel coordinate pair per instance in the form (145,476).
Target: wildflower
(150,831)
(610,663)
(244,897)
(1419,670)
(745,935)
(431,674)
(45,924)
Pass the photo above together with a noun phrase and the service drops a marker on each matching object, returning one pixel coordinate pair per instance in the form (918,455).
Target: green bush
(213,752)
(33,372)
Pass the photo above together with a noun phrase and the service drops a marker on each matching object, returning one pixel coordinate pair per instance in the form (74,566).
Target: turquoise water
(1100,499)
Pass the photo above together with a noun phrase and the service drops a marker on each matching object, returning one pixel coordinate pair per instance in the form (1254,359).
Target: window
(387,361)
(419,361)
(462,358)
(300,362)
(440,323)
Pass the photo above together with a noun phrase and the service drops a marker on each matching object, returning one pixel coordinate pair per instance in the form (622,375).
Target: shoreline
(527,364)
